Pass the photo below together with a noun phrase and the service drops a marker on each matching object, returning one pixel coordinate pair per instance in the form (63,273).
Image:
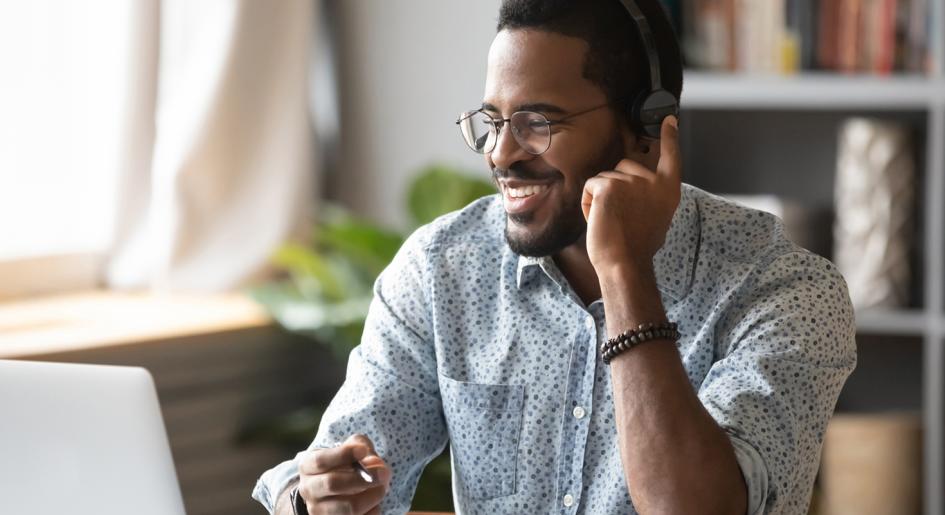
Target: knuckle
(332,483)
(362,439)
(319,460)
(307,491)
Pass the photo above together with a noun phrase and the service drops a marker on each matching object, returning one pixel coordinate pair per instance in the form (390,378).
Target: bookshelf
(777,134)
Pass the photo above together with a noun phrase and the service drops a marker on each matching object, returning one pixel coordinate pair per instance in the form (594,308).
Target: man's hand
(329,482)
(629,210)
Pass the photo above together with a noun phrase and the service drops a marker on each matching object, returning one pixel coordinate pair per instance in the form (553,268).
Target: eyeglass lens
(531,130)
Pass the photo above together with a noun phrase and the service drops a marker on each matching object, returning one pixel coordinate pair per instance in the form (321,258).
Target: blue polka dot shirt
(470,345)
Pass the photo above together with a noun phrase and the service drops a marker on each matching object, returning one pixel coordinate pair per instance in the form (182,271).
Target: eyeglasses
(531,130)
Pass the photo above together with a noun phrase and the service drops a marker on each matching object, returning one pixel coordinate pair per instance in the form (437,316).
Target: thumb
(362,446)
(669,163)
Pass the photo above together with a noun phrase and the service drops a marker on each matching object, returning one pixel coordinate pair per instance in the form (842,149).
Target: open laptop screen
(83,440)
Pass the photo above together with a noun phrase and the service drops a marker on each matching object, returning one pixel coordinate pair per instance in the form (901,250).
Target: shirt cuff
(274,481)
(755,473)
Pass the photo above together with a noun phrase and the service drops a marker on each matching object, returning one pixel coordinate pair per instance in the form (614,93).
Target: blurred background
(208,189)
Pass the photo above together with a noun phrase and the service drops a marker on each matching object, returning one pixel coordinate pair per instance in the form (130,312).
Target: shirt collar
(673,263)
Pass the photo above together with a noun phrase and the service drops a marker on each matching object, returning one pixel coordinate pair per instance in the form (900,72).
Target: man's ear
(642,149)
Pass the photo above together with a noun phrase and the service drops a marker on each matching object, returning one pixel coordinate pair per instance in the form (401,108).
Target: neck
(576,267)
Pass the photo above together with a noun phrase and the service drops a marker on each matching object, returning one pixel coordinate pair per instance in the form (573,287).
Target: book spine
(887,38)
(828,35)
(849,22)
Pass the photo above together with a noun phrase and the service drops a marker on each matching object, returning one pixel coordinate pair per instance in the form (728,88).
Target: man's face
(532,70)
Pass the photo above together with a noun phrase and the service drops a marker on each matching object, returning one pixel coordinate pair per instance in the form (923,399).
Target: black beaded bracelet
(633,337)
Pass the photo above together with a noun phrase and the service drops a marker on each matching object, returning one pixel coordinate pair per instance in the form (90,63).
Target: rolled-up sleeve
(390,391)
(787,343)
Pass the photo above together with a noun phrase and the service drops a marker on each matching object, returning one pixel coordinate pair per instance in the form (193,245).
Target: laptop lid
(83,440)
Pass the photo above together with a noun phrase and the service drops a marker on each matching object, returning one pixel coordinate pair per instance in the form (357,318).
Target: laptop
(83,440)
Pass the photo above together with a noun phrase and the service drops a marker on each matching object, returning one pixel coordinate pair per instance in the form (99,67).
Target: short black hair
(616,59)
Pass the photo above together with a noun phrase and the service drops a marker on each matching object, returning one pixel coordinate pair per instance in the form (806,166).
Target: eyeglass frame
(497,125)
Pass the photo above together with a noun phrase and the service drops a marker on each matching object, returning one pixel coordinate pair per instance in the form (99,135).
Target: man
(485,331)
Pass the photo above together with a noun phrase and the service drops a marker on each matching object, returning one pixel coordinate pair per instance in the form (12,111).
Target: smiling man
(598,337)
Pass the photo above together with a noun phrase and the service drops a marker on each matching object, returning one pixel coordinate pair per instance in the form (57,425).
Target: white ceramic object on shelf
(874,197)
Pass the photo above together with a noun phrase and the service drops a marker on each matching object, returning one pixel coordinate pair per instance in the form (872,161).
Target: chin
(527,237)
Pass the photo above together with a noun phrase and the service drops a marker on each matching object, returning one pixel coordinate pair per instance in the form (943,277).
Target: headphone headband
(649,43)
(648,109)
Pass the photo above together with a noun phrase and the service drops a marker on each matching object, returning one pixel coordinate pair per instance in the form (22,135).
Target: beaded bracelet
(633,337)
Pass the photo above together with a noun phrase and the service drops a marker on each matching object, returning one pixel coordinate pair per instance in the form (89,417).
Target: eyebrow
(538,106)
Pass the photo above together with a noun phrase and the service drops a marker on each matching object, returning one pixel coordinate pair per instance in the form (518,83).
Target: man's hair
(616,60)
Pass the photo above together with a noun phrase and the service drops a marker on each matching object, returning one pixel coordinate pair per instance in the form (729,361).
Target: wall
(407,69)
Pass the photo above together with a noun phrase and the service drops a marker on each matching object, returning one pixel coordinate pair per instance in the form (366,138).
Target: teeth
(526,191)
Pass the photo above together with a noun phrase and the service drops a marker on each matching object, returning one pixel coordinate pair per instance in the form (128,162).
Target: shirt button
(589,323)
(568,500)
(579,412)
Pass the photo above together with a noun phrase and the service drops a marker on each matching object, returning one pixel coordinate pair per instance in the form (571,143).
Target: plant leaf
(440,189)
(369,246)
(310,269)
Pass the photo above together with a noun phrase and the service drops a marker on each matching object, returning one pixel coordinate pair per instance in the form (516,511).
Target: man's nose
(507,150)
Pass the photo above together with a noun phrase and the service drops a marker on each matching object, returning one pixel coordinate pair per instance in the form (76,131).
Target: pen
(365,475)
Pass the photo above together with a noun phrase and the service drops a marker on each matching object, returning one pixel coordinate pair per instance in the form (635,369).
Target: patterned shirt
(469,344)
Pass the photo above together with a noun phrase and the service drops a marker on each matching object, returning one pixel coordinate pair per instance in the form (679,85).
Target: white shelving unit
(713,103)
(811,91)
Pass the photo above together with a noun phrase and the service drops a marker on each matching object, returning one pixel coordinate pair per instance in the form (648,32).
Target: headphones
(650,107)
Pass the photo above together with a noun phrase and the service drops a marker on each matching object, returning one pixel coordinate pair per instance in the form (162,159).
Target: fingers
(599,187)
(366,503)
(669,164)
(378,468)
(631,167)
(328,484)
(370,499)
(355,448)
(591,188)
(326,474)
(627,177)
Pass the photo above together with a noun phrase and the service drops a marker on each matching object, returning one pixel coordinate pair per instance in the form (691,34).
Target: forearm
(675,457)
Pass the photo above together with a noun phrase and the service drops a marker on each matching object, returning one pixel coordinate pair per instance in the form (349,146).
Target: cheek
(573,169)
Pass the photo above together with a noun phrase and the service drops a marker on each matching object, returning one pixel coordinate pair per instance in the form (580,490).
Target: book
(878,37)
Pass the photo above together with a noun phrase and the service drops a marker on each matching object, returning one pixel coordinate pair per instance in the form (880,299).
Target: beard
(566,223)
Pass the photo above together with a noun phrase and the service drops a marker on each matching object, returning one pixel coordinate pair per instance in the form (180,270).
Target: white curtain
(218,162)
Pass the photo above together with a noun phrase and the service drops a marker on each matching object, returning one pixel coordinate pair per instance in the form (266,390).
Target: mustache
(522,174)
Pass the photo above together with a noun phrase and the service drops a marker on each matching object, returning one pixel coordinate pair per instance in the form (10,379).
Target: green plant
(327,289)
(328,283)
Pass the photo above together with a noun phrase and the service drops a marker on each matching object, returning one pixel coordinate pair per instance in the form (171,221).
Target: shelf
(908,322)
(810,91)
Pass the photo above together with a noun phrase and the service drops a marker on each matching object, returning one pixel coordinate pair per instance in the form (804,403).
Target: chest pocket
(485,424)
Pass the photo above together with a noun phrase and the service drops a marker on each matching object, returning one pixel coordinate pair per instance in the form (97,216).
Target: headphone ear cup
(650,109)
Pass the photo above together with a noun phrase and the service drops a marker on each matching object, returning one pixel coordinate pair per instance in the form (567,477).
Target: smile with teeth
(525,191)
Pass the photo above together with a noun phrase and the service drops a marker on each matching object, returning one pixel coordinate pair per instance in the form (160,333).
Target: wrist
(626,274)
(631,297)
(283,504)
